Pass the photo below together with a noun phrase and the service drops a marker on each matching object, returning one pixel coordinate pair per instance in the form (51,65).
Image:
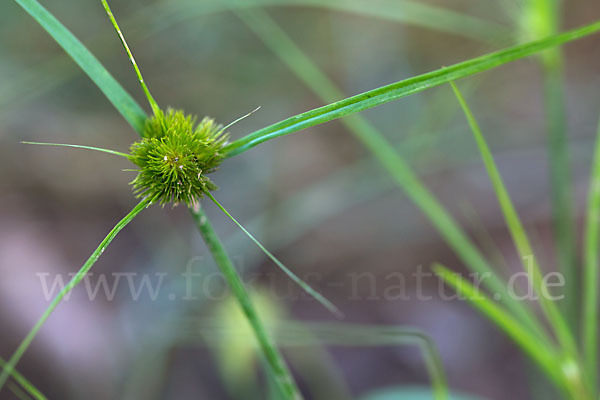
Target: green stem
(12,362)
(590,273)
(519,235)
(273,357)
(560,188)
(546,357)
(541,18)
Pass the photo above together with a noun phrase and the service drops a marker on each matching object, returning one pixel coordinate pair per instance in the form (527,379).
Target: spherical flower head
(174,157)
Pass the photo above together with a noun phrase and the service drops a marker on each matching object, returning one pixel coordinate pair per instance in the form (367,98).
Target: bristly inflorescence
(175,155)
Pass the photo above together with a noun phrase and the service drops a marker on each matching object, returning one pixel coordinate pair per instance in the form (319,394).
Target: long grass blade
(115,93)
(518,233)
(276,39)
(560,180)
(546,357)
(412,13)
(590,268)
(316,295)
(12,362)
(404,88)
(278,368)
(540,18)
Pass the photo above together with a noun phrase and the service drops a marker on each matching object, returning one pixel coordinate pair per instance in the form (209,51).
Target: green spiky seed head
(175,155)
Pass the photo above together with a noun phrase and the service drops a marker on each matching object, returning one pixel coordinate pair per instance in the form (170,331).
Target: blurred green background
(315,198)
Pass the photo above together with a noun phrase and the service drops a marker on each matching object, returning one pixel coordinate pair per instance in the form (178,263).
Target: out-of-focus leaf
(411,393)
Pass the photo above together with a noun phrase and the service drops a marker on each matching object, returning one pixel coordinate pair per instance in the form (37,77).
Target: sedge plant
(175,156)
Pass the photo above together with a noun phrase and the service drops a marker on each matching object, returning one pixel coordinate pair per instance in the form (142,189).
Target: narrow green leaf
(122,101)
(546,357)
(518,234)
(411,13)
(541,18)
(410,392)
(12,362)
(590,271)
(561,188)
(404,88)
(316,295)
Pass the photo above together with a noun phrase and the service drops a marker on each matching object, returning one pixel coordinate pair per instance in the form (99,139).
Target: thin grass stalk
(278,367)
(519,235)
(411,13)
(552,64)
(12,362)
(560,179)
(546,357)
(590,271)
